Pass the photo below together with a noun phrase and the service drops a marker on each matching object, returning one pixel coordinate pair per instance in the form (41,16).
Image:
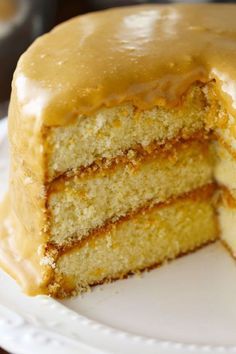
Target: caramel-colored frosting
(20,257)
(147,55)
(144,54)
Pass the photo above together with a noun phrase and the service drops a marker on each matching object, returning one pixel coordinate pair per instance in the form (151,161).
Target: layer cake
(122,140)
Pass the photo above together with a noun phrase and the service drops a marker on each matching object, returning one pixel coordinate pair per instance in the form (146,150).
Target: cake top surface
(145,54)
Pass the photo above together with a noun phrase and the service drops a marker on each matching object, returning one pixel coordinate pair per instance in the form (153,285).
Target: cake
(122,141)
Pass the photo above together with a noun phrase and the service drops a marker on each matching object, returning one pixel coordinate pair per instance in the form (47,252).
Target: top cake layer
(146,54)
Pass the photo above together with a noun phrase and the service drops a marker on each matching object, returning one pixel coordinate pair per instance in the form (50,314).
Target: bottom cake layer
(141,241)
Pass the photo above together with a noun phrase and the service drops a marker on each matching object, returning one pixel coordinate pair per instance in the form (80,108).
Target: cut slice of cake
(122,141)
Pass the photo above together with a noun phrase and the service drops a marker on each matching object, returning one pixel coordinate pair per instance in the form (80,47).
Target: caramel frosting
(20,257)
(146,55)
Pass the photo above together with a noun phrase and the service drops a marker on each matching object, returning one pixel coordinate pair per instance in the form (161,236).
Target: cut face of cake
(123,152)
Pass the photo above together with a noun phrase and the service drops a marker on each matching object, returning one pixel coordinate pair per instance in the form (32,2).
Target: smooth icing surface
(145,54)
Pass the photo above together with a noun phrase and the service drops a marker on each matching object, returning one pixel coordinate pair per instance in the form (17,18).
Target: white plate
(187,306)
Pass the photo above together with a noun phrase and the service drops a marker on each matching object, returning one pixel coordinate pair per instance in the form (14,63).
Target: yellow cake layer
(110,132)
(147,239)
(80,204)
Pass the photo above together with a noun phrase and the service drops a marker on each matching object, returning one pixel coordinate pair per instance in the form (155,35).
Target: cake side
(24,225)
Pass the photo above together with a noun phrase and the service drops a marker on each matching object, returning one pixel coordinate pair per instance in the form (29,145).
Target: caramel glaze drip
(147,55)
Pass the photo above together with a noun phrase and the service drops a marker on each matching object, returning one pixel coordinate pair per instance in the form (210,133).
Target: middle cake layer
(79,204)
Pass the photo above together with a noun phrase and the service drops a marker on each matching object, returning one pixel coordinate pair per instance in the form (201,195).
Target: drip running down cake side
(123,153)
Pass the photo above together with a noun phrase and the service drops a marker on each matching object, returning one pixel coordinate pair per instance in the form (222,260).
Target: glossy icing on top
(145,54)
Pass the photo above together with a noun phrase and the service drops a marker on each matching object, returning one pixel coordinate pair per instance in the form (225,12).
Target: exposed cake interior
(142,201)
(142,241)
(150,202)
(80,204)
(113,132)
